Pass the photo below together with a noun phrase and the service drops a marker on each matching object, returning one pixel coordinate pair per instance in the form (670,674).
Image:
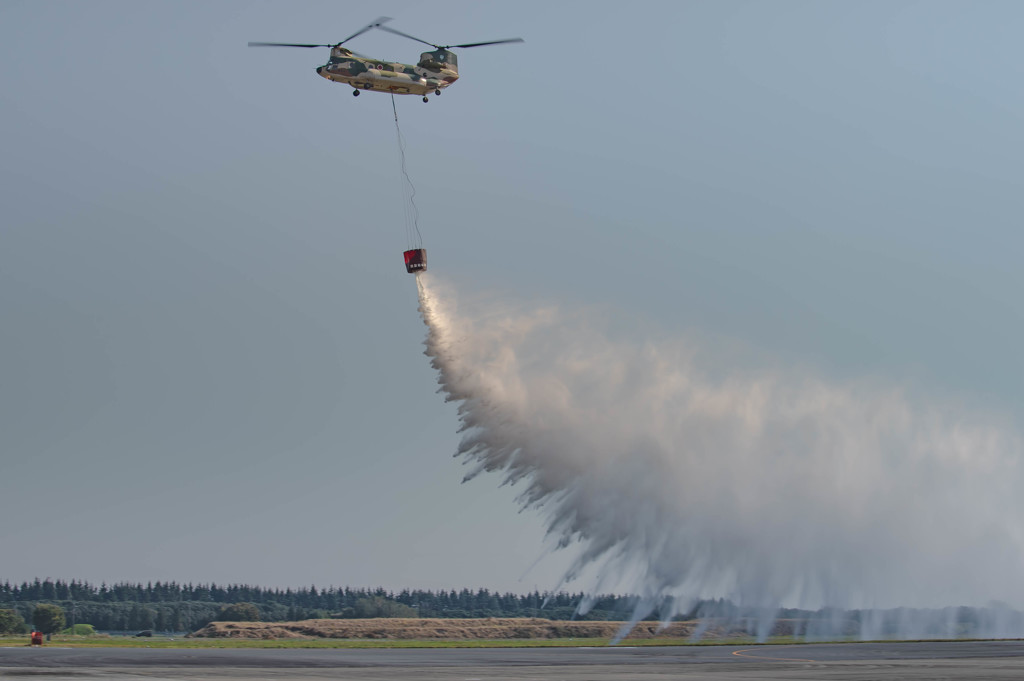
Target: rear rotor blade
(491,42)
(376,23)
(251,44)
(406,35)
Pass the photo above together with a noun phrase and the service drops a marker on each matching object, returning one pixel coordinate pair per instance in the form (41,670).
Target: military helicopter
(435,71)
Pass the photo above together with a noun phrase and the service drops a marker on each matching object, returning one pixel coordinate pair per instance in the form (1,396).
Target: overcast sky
(211,361)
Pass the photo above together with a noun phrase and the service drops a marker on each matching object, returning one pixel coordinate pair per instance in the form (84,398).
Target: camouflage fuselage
(435,71)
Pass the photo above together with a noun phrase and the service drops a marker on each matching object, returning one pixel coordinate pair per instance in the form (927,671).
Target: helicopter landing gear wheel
(355,93)
(437,92)
(425,100)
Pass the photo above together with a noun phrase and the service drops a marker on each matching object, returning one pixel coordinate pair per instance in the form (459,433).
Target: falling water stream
(684,481)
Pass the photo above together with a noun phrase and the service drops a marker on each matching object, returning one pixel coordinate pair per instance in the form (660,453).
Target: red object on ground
(416,260)
(37,638)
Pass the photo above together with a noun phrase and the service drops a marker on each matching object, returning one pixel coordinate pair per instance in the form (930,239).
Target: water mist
(684,481)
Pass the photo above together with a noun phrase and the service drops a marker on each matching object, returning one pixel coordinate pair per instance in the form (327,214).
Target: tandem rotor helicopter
(435,71)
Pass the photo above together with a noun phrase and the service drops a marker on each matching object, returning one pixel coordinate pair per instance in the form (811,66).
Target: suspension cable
(412,213)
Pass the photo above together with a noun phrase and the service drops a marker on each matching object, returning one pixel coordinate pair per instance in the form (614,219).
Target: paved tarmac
(848,662)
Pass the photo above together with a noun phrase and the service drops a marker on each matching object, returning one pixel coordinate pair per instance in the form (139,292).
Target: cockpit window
(439,59)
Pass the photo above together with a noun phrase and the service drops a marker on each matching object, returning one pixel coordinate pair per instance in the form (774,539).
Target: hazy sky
(211,362)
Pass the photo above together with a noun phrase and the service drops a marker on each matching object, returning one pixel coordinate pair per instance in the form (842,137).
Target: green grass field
(104,641)
(163,642)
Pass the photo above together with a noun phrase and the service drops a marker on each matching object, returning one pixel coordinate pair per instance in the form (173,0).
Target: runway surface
(849,662)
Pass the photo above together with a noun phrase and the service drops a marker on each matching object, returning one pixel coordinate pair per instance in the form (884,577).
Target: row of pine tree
(170,606)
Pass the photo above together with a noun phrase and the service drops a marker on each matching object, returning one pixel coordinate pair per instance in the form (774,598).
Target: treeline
(170,606)
(173,607)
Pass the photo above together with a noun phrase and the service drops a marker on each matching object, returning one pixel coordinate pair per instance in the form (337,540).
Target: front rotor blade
(285,45)
(375,24)
(406,35)
(492,42)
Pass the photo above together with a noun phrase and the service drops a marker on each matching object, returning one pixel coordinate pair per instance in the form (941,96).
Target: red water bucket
(416,260)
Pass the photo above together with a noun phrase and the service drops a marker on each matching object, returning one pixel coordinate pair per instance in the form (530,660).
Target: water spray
(753,491)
